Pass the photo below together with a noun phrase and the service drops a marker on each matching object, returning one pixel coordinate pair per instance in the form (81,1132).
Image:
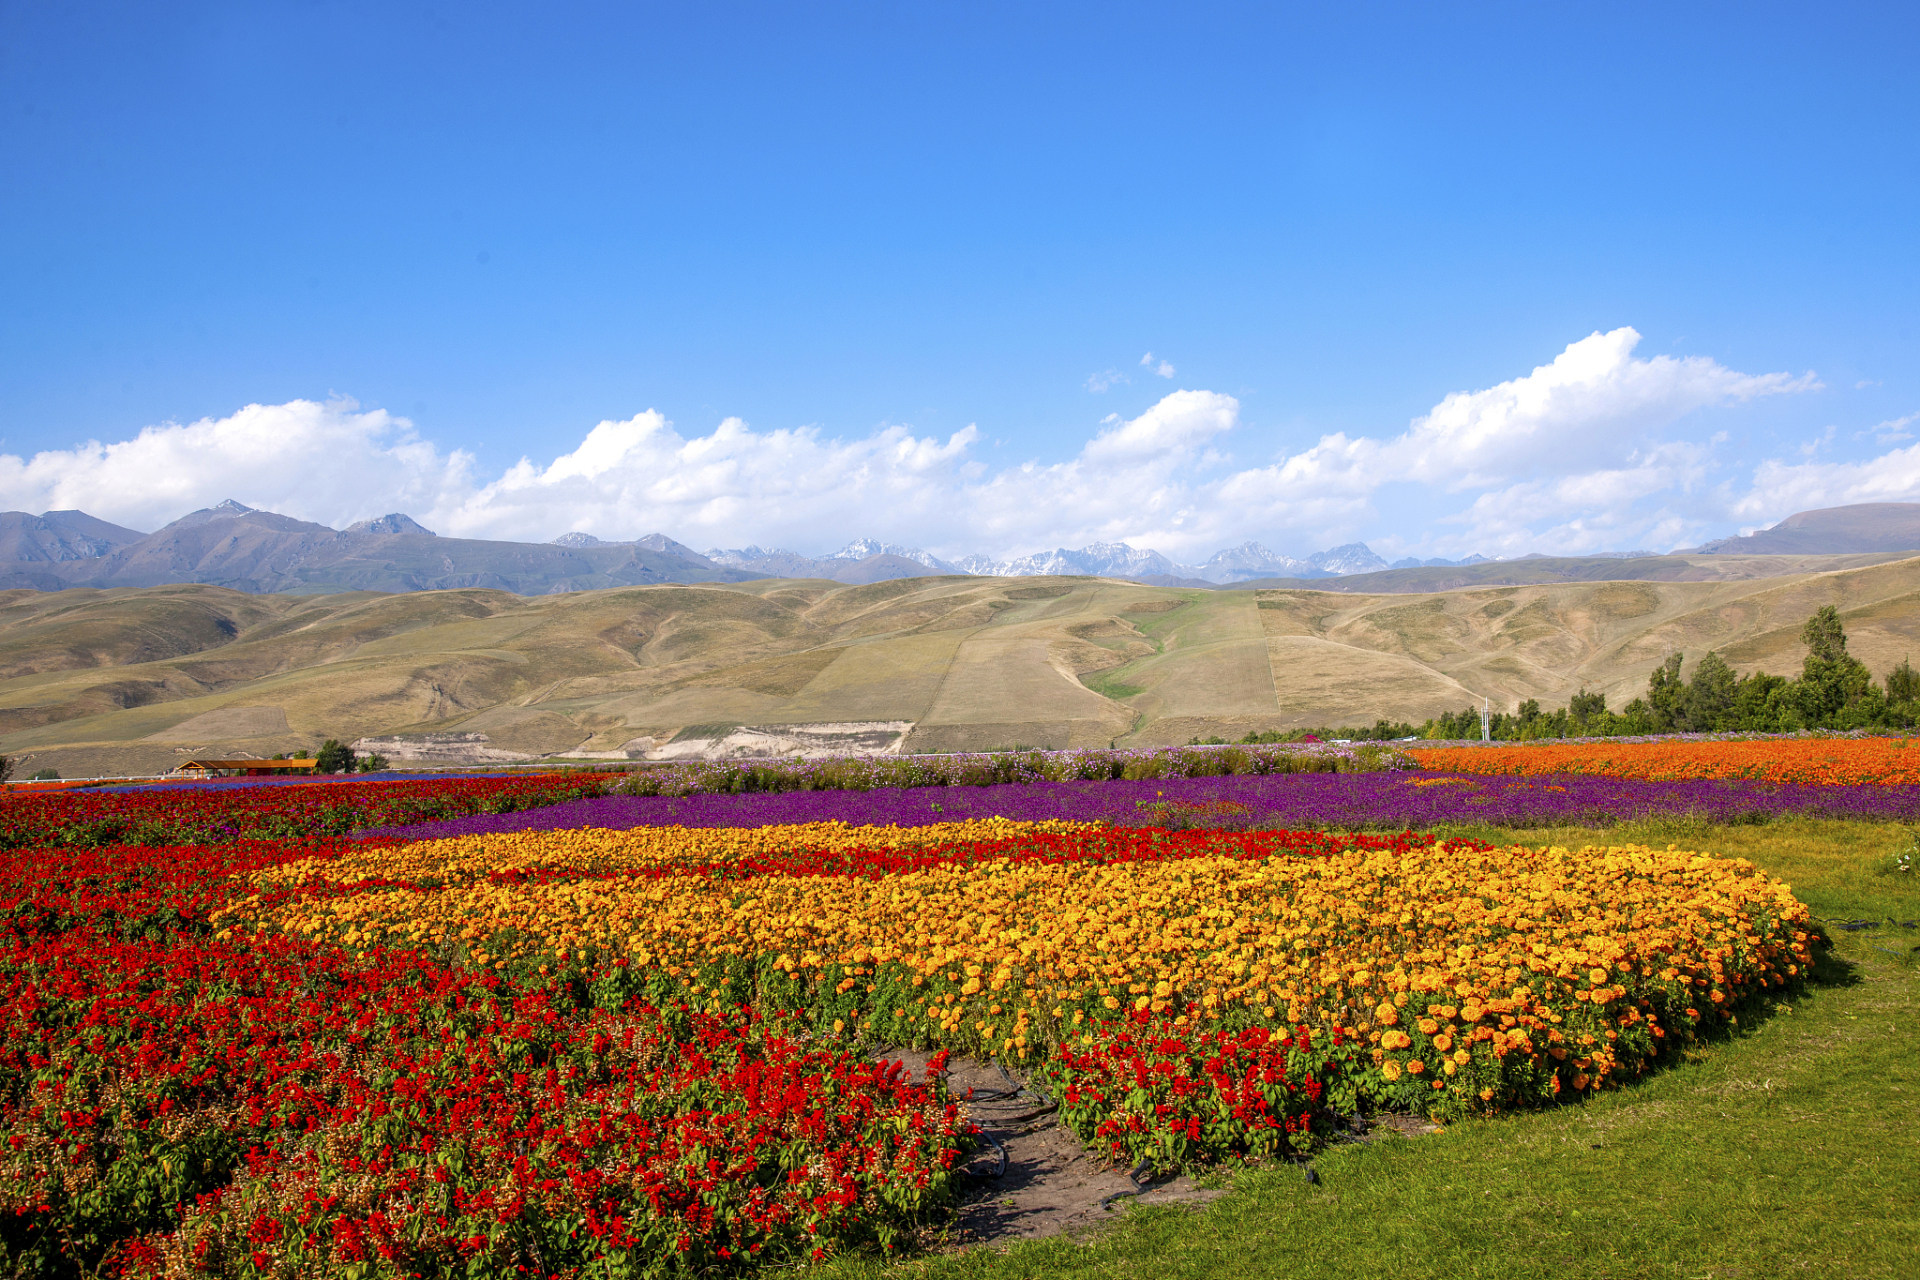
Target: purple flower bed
(1393,801)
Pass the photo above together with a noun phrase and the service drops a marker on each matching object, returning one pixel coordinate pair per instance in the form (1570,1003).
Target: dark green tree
(1823,635)
(1584,712)
(1903,683)
(1710,695)
(1831,680)
(1667,698)
(1765,704)
(333,756)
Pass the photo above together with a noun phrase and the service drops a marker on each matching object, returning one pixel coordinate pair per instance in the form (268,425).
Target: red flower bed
(1150,1089)
(173,1103)
(181,816)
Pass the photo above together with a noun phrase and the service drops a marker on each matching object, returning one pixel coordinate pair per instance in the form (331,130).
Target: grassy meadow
(1788,1148)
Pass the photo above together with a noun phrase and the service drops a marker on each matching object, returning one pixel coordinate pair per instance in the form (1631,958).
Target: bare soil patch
(1032,1177)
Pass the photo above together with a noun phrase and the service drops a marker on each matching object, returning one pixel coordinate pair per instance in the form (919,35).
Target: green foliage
(1380,731)
(372,762)
(1824,637)
(1835,691)
(1903,683)
(1585,708)
(1667,697)
(6,768)
(45,775)
(334,756)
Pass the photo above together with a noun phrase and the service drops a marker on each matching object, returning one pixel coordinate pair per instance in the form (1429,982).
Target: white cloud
(1891,431)
(1782,488)
(316,461)
(1585,453)
(1105,380)
(1562,434)
(1162,369)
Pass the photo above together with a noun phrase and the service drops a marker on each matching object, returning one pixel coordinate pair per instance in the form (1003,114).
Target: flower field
(585,1033)
(981,769)
(182,1104)
(1816,761)
(212,813)
(1383,801)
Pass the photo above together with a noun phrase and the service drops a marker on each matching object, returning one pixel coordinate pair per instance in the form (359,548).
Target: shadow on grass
(1828,969)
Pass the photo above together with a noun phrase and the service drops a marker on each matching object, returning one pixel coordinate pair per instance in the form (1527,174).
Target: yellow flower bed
(1488,977)
(593,850)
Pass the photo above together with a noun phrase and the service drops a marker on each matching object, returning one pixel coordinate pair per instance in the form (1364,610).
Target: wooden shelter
(252,768)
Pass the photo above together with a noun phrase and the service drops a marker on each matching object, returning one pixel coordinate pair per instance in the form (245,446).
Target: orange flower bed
(1816,761)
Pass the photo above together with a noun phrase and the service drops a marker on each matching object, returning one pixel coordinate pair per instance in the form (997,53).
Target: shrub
(334,756)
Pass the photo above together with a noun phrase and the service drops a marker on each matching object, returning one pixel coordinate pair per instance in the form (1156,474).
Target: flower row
(980,769)
(215,815)
(1347,801)
(596,851)
(1814,761)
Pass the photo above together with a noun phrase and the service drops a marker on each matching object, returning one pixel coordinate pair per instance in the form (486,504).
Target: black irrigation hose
(1013,1090)
(1002,1152)
(1861,926)
(1858,926)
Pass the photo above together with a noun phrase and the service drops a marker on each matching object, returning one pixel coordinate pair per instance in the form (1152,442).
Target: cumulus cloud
(1595,450)
(1781,488)
(1162,369)
(313,460)
(1106,380)
(1572,436)
(632,477)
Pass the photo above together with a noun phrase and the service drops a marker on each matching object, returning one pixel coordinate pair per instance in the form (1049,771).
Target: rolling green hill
(134,680)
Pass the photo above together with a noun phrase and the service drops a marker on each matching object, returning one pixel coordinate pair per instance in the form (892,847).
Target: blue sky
(830,271)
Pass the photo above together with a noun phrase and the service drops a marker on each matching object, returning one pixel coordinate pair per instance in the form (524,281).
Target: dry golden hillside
(99,681)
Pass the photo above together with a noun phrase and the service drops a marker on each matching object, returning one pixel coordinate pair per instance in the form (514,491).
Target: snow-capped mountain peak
(1354,557)
(862,548)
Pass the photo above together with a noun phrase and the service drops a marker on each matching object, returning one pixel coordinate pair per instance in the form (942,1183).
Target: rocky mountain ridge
(259,552)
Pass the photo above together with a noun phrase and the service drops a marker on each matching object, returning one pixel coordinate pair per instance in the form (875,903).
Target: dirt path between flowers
(1033,1178)
(1048,1183)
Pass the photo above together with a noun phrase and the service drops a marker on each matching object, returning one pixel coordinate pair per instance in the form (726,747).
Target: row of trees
(1834,691)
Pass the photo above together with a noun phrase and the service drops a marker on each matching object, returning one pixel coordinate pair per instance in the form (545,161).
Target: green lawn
(1789,1149)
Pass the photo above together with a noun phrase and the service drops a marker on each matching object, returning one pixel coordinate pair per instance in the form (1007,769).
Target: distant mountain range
(1864,526)
(263,552)
(1100,559)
